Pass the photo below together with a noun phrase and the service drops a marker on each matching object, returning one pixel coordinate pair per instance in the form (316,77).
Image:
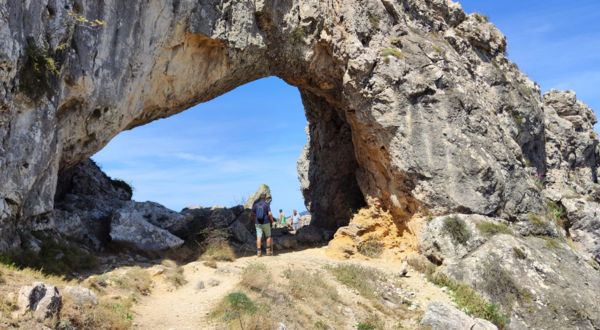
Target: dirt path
(188,306)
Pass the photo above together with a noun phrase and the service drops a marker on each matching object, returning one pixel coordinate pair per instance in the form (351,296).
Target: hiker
(295,220)
(263,219)
(281,219)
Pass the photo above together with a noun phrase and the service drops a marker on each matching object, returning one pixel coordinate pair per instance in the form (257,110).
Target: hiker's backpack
(260,211)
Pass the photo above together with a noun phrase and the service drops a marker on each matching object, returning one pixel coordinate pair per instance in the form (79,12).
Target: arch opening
(217,153)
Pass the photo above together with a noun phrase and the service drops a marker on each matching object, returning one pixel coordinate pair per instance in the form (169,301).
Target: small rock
(213,282)
(281,326)
(43,300)
(80,295)
(403,271)
(200,285)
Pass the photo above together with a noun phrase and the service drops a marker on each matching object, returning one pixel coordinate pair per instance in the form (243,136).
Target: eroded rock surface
(411,102)
(540,282)
(440,316)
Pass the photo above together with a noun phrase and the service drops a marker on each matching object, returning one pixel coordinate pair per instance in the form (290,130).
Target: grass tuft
(216,245)
(306,285)
(457,229)
(174,273)
(395,52)
(359,278)
(488,228)
(256,277)
(470,300)
(519,253)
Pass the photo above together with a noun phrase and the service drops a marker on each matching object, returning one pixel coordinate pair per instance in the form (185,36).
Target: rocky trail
(189,306)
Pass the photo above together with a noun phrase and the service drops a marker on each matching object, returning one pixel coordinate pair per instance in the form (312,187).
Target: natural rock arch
(411,102)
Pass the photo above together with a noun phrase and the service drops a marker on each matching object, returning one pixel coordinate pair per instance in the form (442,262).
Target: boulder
(241,233)
(131,227)
(80,296)
(44,301)
(310,235)
(160,216)
(440,316)
(263,189)
(583,221)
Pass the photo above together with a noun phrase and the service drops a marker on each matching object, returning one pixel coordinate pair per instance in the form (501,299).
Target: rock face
(414,103)
(131,227)
(440,316)
(540,282)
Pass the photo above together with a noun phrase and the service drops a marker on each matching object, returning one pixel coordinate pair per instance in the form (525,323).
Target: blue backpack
(261,212)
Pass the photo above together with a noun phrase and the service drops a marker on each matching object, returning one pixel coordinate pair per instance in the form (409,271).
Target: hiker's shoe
(269,252)
(258,253)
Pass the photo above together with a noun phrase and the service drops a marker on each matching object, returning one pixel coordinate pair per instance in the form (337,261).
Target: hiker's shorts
(264,228)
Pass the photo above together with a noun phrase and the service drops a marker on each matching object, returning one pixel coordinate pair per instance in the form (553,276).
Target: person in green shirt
(282,218)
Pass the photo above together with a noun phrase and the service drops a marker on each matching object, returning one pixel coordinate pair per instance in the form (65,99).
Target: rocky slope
(412,103)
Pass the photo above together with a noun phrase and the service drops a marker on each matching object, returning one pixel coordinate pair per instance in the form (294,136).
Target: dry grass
(113,310)
(256,277)
(371,247)
(210,263)
(135,280)
(362,279)
(216,245)
(218,252)
(306,285)
(488,228)
(110,313)
(457,229)
(174,273)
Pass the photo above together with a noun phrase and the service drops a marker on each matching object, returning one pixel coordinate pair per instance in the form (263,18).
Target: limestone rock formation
(131,227)
(539,281)
(440,316)
(263,189)
(412,102)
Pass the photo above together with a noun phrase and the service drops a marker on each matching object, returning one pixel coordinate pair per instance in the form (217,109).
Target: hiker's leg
(259,233)
(267,230)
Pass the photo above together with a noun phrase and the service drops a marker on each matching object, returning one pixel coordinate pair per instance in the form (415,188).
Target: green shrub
(481,18)
(298,34)
(488,228)
(557,212)
(457,229)
(39,71)
(320,325)
(235,306)
(370,324)
(120,184)
(371,248)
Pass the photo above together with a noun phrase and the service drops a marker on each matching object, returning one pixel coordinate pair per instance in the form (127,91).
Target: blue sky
(220,151)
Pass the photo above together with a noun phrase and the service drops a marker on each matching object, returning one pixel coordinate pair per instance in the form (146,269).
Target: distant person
(295,220)
(263,219)
(281,218)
